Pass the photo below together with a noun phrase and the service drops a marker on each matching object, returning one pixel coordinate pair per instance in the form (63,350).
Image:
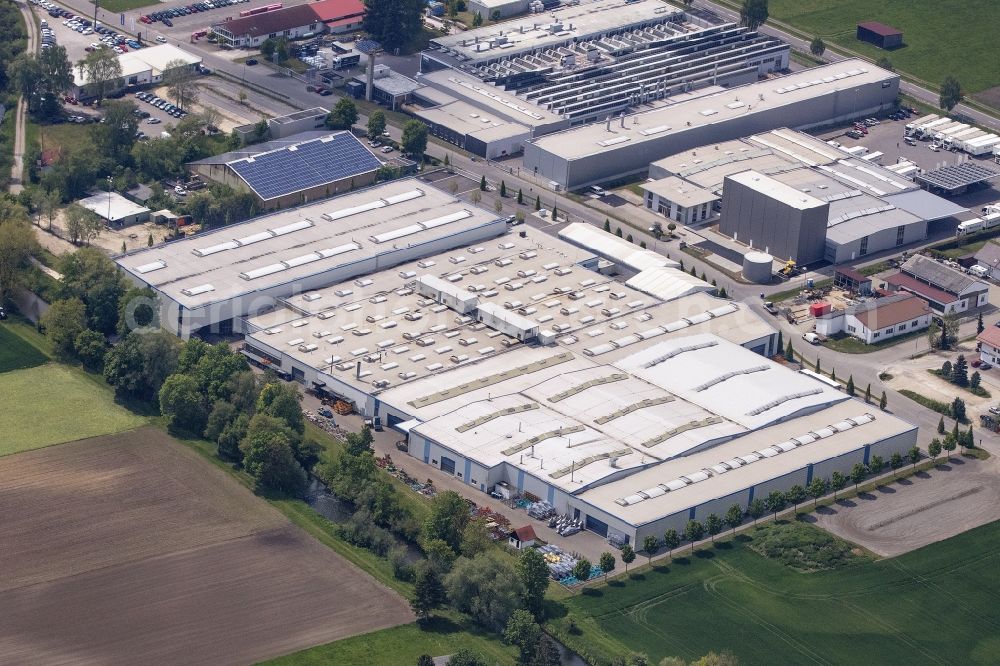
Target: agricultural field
(52,404)
(933,605)
(16,353)
(403,645)
(940,37)
(128,548)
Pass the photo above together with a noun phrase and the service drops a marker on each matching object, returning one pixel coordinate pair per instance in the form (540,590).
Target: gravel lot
(132,549)
(956,496)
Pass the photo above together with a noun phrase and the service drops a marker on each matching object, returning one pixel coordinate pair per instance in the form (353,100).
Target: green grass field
(937,605)
(402,645)
(51,404)
(125,5)
(941,37)
(16,353)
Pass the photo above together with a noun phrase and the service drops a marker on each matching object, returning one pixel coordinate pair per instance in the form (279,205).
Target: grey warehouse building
(580,64)
(774,217)
(815,97)
(868,208)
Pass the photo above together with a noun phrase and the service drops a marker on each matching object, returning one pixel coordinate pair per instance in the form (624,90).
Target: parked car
(985,366)
(325,412)
(252,61)
(855,134)
(387,149)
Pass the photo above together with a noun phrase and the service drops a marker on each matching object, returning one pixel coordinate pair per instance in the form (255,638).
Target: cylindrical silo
(757,267)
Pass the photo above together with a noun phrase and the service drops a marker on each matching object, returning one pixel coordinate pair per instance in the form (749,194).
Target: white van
(599,191)
(811,338)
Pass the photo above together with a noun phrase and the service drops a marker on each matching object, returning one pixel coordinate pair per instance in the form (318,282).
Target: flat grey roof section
(112,206)
(680,192)
(956,176)
(937,274)
(283,247)
(777,190)
(926,205)
(473,121)
(512,108)
(622,498)
(711,109)
(551,28)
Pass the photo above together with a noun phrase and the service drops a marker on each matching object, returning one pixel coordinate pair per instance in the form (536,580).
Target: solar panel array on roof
(956,176)
(310,164)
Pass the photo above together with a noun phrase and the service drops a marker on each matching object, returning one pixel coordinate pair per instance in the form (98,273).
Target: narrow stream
(338,512)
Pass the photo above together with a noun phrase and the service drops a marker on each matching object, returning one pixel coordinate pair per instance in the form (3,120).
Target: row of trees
(774,503)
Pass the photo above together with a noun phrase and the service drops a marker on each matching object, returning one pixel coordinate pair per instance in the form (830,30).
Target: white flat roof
(714,108)
(729,380)
(487,96)
(613,248)
(282,247)
(678,191)
(777,190)
(463,117)
(152,59)
(739,464)
(112,206)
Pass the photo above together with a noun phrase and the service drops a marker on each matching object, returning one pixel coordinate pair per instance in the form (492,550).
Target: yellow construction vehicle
(789,268)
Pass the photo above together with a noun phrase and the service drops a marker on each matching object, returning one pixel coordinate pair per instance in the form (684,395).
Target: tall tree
(448,517)
(376,124)
(817,47)
(628,556)
(393,22)
(951,93)
(181,82)
(88,274)
(775,502)
(523,633)
(795,495)
(428,591)
(671,539)
(837,482)
(268,457)
(650,545)
(82,225)
(756,509)
(753,13)
(693,532)
(102,72)
(895,462)
(713,525)
(115,137)
(17,245)
(817,488)
(914,455)
(533,573)
(343,116)
(858,473)
(607,563)
(850,386)
(875,465)
(582,569)
(486,587)
(960,371)
(138,365)
(91,347)
(278,399)
(734,516)
(414,140)
(63,322)
(183,404)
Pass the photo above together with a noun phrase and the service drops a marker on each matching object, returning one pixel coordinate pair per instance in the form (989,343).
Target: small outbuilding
(113,208)
(522,537)
(879,34)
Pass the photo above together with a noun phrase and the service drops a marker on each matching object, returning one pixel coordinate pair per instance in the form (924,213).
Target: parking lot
(77,33)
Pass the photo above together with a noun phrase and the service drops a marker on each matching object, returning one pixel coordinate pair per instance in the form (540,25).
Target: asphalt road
(17,169)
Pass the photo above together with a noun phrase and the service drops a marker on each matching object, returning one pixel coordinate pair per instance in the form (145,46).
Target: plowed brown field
(131,549)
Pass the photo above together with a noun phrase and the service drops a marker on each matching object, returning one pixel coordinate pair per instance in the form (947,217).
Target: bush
(802,547)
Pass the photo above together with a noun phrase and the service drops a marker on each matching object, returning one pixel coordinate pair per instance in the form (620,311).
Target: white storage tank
(757,267)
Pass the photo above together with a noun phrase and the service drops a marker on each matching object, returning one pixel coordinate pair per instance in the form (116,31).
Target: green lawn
(51,404)
(125,5)
(941,37)
(16,353)
(934,605)
(403,644)
(848,344)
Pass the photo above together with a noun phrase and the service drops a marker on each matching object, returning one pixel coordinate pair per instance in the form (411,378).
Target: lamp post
(109,199)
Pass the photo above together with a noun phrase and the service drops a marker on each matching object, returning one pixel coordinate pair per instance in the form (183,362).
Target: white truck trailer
(983,145)
(911,127)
